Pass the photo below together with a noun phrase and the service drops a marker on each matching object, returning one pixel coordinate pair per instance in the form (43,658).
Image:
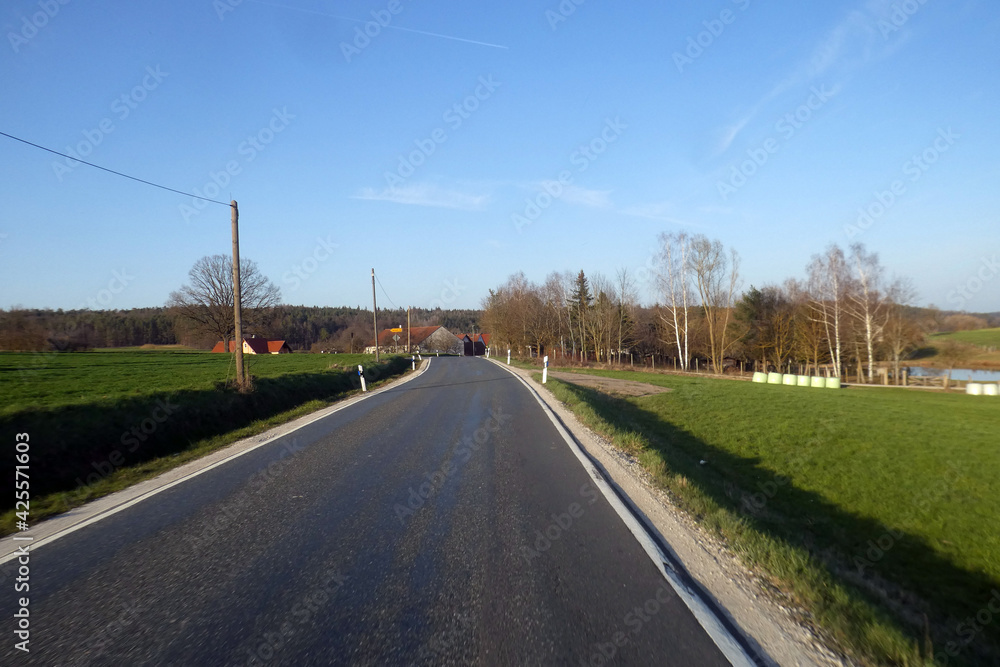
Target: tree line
(200,313)
(844,314)
(305,328)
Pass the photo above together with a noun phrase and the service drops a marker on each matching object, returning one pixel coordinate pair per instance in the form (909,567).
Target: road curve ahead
(442,522)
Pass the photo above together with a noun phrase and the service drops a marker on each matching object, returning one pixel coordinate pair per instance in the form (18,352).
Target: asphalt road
(442,522)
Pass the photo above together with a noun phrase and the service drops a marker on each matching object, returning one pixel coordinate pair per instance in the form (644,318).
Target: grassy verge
(82,450)
(877,511)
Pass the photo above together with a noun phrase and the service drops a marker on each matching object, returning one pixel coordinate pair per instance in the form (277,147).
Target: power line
(386,295)
(112,171)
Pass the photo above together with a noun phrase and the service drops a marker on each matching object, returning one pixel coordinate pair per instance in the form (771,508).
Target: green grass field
(981,337)
(872,507)
(980,341)
(52,379)
(99,421)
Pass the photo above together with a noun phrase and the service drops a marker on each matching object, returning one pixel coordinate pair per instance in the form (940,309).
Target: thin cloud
(659,211)
(574,194)
(387,27)
(730,133)
(851,43)
(571,194)
(425,195)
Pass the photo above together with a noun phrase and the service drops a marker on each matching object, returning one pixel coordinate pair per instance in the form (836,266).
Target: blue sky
(462,142)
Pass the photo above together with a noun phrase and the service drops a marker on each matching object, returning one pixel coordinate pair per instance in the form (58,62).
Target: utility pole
(375,315)
(237,305)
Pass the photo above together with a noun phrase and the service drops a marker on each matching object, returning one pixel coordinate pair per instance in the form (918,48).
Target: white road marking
(712,625)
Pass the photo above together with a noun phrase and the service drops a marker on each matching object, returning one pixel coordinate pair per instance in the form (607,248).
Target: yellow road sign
(396,330)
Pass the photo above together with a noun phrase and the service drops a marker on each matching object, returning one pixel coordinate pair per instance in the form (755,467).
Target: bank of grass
(878,510)
(979,341)
(99,422)
(981,337)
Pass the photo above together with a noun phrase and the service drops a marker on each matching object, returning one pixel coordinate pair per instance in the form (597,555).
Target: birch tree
(827,282)
(867,302)
(674,282)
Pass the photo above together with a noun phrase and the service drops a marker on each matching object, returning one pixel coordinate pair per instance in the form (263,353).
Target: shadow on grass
(76,445)
(808,543)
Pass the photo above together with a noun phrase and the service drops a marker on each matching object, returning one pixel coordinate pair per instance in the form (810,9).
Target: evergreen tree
(580,302)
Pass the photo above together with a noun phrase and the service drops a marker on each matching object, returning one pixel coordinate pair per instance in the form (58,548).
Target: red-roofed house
(254,345)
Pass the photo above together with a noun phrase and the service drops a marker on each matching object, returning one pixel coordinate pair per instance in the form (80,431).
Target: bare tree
(206,302)
(554,296)
(716,276)
(809,334)
(827,282)
(600,317)
(901,333)
(674,279)
(515,313)
(627,298)
(867,302)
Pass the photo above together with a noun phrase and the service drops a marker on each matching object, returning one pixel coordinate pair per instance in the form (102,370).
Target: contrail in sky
(390,27)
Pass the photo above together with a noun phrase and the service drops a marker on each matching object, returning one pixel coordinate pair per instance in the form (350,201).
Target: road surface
(445,521)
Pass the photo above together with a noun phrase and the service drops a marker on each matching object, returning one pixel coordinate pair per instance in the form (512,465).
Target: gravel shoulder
(769,621)
(614,386)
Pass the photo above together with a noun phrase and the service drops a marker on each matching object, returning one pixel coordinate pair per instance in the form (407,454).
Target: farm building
(254,345)
(474,344)
(424,340)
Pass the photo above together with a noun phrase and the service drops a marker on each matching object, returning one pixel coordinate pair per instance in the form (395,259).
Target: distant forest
(312,329)
(304,328)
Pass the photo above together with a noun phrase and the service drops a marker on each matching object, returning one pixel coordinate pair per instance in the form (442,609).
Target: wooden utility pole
(375,315)
(237,305)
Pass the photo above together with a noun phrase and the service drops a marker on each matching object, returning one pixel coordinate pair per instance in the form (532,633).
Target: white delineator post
(508,356)
(545,369)
(413,363)
(361,374)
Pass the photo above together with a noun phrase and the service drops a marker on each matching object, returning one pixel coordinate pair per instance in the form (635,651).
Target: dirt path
(612,386)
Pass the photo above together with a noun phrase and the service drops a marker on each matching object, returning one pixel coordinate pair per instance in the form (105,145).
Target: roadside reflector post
(413,363)
(545,369)
(508,356)
(361,374)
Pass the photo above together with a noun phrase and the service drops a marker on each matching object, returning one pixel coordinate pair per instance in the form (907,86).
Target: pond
(963,374)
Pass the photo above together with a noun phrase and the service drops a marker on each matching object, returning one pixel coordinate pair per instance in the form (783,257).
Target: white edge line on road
(35,544)
(719,634)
